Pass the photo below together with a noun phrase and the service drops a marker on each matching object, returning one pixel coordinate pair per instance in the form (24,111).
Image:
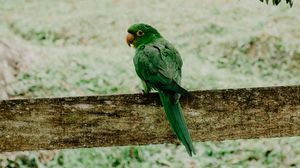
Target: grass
(80,49)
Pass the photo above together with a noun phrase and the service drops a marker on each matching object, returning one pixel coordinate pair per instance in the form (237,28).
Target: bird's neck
(148,40)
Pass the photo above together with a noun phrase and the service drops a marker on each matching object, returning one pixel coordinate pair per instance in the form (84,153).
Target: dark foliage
(276,2)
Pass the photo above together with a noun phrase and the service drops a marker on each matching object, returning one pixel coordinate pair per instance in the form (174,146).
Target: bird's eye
(140,33)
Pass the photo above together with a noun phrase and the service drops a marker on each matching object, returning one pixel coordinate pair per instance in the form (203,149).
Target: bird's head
(141,33)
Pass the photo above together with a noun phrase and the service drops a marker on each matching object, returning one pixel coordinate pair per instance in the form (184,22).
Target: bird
(159,66)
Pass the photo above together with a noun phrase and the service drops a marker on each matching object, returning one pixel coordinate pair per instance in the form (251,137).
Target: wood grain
(135,119)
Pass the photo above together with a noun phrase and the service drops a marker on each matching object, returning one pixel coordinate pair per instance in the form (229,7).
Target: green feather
(158,64)
(176,119)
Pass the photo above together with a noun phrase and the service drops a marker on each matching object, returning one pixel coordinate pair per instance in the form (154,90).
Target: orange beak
(129,39)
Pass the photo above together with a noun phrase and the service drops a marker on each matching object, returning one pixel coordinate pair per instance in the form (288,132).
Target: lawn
(79,48)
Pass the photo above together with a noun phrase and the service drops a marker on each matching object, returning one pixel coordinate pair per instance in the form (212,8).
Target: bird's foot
(145,93)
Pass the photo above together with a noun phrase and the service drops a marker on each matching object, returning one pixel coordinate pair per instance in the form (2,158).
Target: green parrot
(158,64)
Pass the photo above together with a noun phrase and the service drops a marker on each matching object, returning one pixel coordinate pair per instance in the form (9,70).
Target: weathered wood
(134,119)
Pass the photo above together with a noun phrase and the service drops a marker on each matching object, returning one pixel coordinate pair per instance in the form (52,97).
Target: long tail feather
(176,119)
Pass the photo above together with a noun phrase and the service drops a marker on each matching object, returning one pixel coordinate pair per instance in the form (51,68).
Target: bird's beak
(130,39)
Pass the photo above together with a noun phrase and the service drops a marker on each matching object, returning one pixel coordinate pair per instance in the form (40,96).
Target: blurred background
(74,48)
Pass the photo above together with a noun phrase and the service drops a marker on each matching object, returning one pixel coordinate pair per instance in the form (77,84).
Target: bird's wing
(161,67)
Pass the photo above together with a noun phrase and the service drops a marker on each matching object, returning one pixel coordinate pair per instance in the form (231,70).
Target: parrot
(158,64)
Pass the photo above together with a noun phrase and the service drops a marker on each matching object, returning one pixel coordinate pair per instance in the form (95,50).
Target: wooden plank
(135,119)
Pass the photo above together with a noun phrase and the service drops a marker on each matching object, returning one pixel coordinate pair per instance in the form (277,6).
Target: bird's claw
(144,93)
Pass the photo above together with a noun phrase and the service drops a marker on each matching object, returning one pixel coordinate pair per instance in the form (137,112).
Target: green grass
(80,49)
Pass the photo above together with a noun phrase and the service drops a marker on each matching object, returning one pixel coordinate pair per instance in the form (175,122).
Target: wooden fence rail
(134,119)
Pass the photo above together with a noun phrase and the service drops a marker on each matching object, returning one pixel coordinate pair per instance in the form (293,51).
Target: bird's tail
(176,119)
